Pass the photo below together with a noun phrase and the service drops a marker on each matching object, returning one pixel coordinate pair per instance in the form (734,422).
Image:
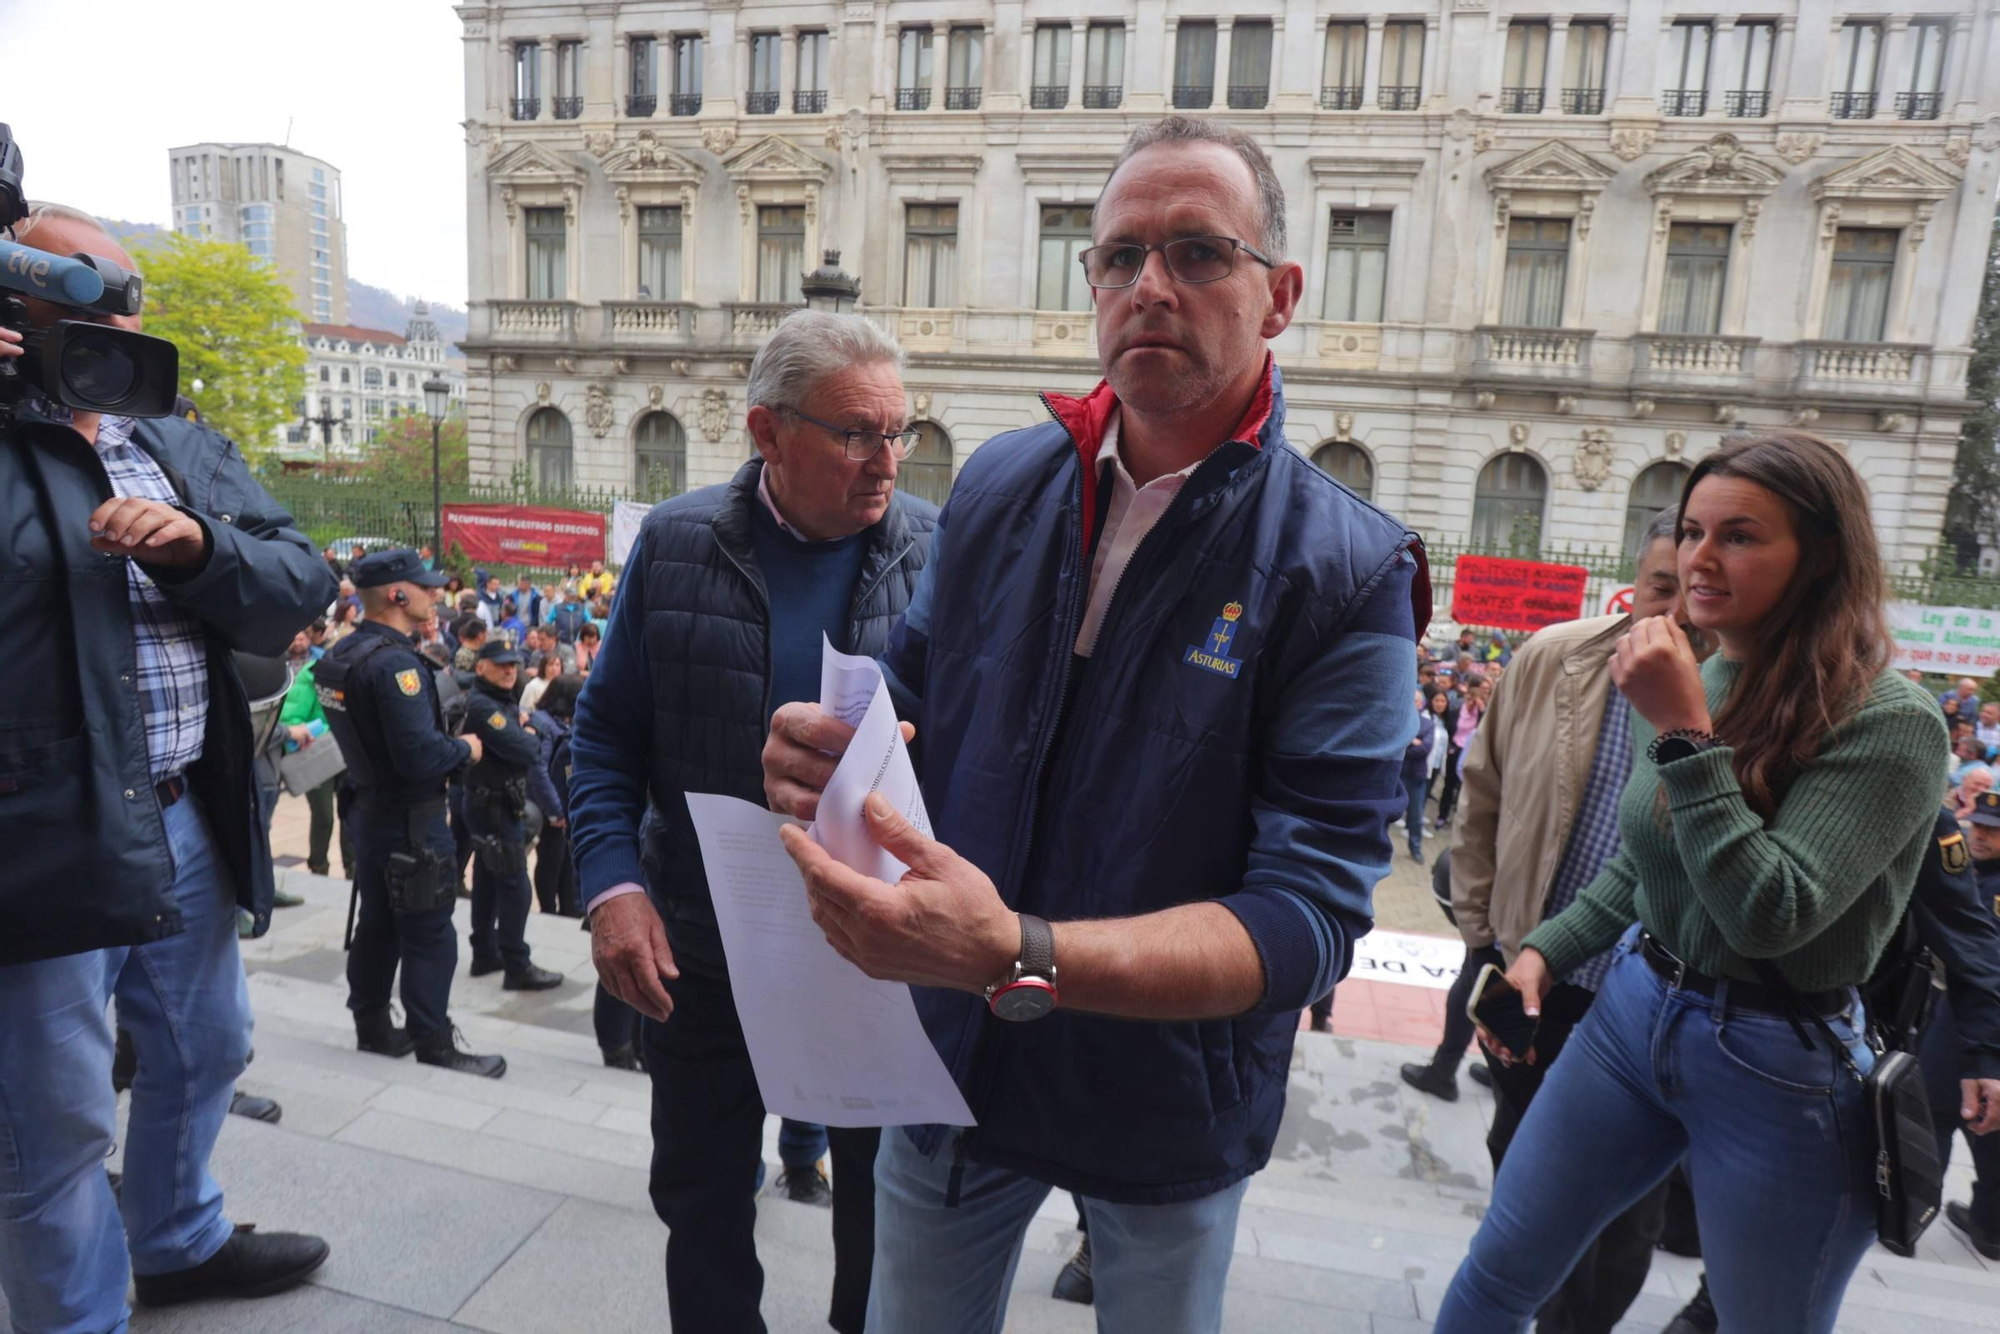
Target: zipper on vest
(957,1177)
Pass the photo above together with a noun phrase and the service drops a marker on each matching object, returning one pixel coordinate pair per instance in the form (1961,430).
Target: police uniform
(382,706)
(496,798)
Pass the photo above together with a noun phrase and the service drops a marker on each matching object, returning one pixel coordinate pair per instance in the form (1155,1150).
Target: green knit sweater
(1820,889)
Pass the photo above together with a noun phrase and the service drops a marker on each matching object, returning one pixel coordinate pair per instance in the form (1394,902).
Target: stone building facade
(1551,255)
(359,378)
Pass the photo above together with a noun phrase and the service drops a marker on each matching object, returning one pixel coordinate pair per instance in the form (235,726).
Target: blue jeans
(800,1143)
(63,1245)
(1777,1141)
(1415,790)
(1158,1268)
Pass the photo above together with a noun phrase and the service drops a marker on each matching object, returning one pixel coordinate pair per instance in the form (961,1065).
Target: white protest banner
(1954,641)
(625,520)
(1408,959)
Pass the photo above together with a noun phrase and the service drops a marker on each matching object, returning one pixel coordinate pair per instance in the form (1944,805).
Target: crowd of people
(1164,778)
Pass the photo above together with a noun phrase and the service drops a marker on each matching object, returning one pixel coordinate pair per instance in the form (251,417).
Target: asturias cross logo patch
(1214,655)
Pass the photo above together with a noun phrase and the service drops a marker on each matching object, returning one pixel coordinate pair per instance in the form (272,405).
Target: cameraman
(136,556)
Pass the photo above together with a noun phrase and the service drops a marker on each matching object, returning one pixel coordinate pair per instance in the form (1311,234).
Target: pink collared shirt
(1130,514)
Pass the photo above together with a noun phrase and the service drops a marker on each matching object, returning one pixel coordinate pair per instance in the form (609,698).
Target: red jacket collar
(1085,419)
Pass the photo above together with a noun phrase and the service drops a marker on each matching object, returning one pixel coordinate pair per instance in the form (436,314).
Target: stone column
(1371,63)
(1433,38)
(1553,75)
(1130,65)
(940,62)
(788,67)
(1225,34)
(1894,75)
(1637,76)
(621,72)
(740,80)
(1027,63)
(988,76)
(1614,52)
(1725,28)
(1783,42)
(1964,99)
(1079,45)
(1171,61)
(545,78)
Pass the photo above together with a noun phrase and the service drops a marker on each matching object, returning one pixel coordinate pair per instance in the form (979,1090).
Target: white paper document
(829,1044)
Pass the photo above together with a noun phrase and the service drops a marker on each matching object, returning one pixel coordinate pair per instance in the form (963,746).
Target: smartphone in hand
(1496,1006)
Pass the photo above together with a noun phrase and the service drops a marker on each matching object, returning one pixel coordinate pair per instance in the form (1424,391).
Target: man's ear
(1287,288)
(762,423)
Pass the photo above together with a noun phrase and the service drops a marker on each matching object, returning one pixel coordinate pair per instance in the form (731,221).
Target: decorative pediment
(531,163)
(646,160)
(775,158)
(1553,168)
(958,167)
(1897,173)
(1718,167)
(1354,171)
(1060,166)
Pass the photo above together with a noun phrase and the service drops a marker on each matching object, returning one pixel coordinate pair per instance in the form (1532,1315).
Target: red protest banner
(1515,594)
(524,534)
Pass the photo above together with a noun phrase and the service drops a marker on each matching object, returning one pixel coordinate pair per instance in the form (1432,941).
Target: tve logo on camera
(24,263)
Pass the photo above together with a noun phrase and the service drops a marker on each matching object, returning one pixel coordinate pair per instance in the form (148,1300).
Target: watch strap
(1694,738)
(1038,948)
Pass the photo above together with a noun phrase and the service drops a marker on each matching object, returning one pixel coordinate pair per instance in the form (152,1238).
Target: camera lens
(95,368)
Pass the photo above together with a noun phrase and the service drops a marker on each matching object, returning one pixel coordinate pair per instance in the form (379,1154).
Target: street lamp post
(829,287)
(437,398)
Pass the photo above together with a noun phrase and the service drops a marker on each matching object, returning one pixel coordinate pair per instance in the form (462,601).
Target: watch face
(1029,998)
(1676,748)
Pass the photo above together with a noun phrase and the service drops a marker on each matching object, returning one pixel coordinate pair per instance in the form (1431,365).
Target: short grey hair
(42,210)
(808,346)
(1667,524)
(1207,130)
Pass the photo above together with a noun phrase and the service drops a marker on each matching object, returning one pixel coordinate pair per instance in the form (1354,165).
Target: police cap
(1986,809)
(499,652)
(400,565)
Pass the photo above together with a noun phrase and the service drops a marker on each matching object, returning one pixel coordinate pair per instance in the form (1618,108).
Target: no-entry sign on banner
(1515,594)
(524,534)
(1960,641)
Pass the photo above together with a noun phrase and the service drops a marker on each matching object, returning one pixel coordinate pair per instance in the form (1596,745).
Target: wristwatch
(1029,990)
(1680,744)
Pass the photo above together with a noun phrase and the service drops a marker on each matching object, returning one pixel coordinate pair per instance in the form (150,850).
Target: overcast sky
(97,91)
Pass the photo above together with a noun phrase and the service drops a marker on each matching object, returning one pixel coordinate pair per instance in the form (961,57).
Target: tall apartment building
(1552,254)
(282,204)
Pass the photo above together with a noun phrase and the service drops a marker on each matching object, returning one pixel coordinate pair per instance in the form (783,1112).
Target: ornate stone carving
(597,409)
(713,414)
(1958,149)
(597,142)
(1343,426)
(921,401)
(833,137)
(1461,125)
(1630,142)
(1989,135)
(719,139)
(1517,435)
(681,366)
(1676,444)
(655,395)
(1804,416)
(1565,404)
(621,365)
(740,369)
(1642,407)
(1484,400)
(1592,464)
(1890,422)
(566,364)
(1727,413)
(543,392)
(506,363)
(1795,146)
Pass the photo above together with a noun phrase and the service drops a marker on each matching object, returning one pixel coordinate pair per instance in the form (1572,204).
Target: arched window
(1512,488)
(927,472)
(1654,489)
(660,466)
(549,450)
(1349,465)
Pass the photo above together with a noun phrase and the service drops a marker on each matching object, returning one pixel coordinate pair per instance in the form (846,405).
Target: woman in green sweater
(1779,803)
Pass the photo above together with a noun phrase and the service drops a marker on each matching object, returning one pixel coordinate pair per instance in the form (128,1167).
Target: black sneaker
(531,978)
(255,1108)
(1480,1075)
(1697,1317)
(250,1264)
(1984,1240)
(1073,1283)
(806,1185)
(379,1033)
(623,1058)
(1427,1078)
(446,1048)
(481,967)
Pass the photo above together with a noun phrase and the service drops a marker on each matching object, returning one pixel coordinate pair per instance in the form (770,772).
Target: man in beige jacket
(1537,819)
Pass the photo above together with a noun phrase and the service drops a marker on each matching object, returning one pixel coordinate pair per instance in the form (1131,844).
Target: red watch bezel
(1028,990)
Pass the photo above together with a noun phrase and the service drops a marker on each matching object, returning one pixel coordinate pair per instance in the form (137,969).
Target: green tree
(1974,503)
(401,454)
(232,319)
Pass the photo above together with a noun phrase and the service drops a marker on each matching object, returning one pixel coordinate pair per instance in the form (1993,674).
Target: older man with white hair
(717,623)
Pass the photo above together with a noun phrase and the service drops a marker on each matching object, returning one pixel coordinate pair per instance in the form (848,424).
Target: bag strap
(1797,1006)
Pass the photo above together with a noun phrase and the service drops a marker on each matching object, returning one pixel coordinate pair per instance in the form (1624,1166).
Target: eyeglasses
(862,445)
(1190,259)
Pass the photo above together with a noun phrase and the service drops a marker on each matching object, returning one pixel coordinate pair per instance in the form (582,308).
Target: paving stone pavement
(519,1205)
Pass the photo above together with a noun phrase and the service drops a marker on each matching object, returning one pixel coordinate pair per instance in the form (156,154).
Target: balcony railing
(1521,101)
(961,99)
(649,320)
(755,319)
(1917,106)
(1660,359)
(1583,101)
(642,104)
(1343,97)
(1248,96)
(1861,366)
(1403,97)
(1510,350)
(1048,96)
(809,101)
(1746,103)
(1103,96)
(568,108)
(527,108)
(763,102)
(542,321)
(683,104)
(1188,96)
(913,99)
(1851,106)
(1684,102)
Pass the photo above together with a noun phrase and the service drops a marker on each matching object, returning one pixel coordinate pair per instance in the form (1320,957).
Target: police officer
(496,801)
(382,705)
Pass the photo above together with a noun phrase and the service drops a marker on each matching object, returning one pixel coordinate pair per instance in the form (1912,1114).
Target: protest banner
(533,535)
(1503,594)
(1955,641)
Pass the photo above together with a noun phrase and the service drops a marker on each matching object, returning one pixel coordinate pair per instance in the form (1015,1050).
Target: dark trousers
(708,1132)
(1940,1060)
(501,899)
(1458,1026)
(555,873)
(461,831)
(321,802)
(425,943)
(617,1023)
(1448,798)
(1610,1272)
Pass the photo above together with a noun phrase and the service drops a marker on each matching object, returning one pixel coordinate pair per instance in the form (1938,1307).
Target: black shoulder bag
(1909,1179)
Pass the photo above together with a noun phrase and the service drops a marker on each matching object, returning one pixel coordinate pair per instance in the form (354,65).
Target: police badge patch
(1952,853)
(407,682)
(498,722)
